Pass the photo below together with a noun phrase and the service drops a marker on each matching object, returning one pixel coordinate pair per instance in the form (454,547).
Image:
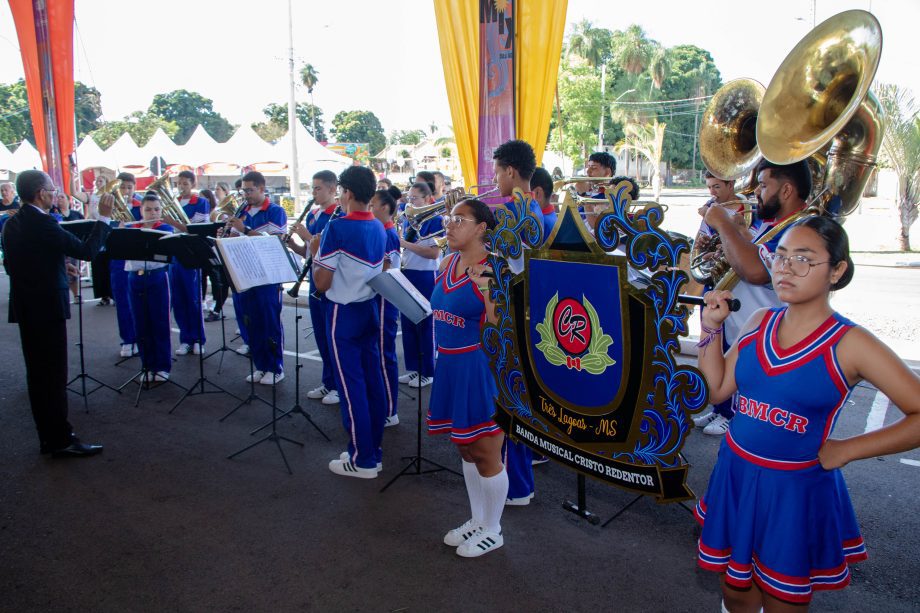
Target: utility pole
(292,115)
(600,129)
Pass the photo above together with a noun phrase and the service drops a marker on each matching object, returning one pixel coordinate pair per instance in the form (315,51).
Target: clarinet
(226,229)
(295,289)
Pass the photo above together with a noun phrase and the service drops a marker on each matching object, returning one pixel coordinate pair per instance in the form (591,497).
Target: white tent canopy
(248,148)
(311,155)
(125,152)
(26,157)
(202,149)
(91,155)
(6,158)
(160,145)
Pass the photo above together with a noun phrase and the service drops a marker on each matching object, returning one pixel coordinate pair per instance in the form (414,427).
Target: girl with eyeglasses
(463,394)
(777,519)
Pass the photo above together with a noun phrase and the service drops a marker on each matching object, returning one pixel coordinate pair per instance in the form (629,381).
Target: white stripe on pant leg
(383,365)
(338,365)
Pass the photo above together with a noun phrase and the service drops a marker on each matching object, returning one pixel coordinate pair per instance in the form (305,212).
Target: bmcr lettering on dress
(449,318)
(775,416)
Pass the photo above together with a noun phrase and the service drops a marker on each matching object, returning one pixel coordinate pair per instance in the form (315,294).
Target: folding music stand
(392,285)
(138,244)
(209,231)
(193,252)
(81,229)
(252,259)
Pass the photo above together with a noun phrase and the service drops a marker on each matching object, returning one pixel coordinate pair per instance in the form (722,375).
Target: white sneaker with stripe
(483,541)
(347,469)
(460,534)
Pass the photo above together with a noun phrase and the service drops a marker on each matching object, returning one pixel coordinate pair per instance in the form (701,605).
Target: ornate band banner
(584,348)
(496,80)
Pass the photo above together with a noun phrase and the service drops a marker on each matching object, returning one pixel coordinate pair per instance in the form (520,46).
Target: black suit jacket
(34,247)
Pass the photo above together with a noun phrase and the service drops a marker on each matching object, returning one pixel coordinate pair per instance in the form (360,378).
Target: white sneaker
(421,382)
(539,459)
(347,469)
(125,351)
(701,421)
(331,398)
(717,427)
(243,350)
(135,350)
(318,392)
(391,421)
(483,541)
(460,534)
(270,378)
(162,376)
(197,349)
(409,376)
(184,349)
(344,457)
(255,376)
(518,502)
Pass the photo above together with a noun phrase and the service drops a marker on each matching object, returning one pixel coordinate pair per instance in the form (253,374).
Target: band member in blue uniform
(350,253)
(541,185)
(463,395)
(324,191)
(261,306)
(383,206)
(148,284)
(420,260)
(781,191)
(119,277)
(515,164)
(777,519)
(185,283)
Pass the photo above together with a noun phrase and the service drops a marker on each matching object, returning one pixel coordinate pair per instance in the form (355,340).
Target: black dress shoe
(76,449)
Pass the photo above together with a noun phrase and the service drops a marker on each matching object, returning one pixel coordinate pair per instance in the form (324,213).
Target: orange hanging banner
(45,32)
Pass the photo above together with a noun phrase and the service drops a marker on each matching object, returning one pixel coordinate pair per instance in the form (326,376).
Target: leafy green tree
(901,151)
(276,123)
(406,137)
(359,127)
(16,122)
(188,109)
(632,49)
(139,125)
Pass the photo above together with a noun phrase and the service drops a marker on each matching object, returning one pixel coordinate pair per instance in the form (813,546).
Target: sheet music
(406,284)
(252,261)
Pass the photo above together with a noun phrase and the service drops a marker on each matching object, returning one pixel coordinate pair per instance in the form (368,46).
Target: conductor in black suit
(35,246)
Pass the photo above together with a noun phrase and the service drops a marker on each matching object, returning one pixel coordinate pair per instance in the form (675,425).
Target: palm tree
(901,150)
(632,49)
(658,69)
(647,141)
(309,76)
(589,43)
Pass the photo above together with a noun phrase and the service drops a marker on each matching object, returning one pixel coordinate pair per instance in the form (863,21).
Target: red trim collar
(548,209)
(360,215)
(776,221)
(265,204)
(329,210)
(389,225)
(135,202)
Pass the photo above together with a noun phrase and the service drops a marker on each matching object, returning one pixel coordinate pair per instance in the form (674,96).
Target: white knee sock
(494,494)
(474,491)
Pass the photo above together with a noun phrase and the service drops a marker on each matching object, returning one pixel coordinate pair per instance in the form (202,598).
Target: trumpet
(171,206)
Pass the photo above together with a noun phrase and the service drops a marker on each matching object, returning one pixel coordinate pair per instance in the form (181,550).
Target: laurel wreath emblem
(595,361)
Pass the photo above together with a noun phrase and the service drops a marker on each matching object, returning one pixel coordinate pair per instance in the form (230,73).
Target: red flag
(45,31)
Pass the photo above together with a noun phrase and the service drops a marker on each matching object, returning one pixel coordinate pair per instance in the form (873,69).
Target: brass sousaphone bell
(818,107)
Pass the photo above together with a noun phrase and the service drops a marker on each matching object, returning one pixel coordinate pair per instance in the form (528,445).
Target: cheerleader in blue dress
(777,518)
(463,394)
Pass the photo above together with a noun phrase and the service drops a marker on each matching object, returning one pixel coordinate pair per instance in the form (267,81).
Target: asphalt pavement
(162,520)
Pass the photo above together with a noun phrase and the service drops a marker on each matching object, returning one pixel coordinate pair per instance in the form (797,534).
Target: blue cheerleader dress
(771,514)
(463,394)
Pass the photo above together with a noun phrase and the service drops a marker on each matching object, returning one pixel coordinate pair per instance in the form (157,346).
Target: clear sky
(384,56)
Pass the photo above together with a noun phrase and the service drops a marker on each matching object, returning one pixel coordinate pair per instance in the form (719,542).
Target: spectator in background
(9,201)
(384,184)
